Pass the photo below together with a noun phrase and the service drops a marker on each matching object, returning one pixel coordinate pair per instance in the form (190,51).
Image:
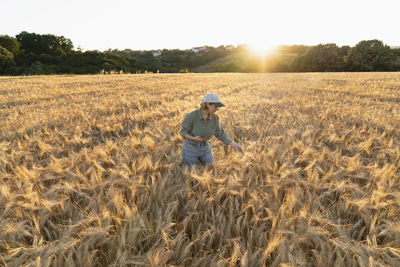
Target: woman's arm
(221,135)
(187,125)
(194,138)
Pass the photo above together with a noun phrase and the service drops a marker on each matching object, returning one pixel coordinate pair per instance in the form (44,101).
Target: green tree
(116,61)
(299,64)
(371,55)
(88,62)
(323,57)
(6,61)
(10,43)
(396,65)
(44,44)
(230,66)
(292,49)
(395,51)
(36,68)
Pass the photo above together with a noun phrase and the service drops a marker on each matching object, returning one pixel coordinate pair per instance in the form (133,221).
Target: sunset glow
(181,24)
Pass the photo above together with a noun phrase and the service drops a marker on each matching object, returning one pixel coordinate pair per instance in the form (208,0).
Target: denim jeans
(193,151)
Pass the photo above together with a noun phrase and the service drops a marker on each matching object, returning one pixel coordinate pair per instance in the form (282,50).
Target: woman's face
(212,108)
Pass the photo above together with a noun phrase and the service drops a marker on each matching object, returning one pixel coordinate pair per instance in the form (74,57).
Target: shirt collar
(200,114)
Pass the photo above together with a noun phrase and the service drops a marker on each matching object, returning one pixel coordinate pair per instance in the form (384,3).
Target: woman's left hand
(237,147)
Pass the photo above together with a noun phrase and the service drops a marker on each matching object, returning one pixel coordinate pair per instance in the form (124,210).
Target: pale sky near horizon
(157,24)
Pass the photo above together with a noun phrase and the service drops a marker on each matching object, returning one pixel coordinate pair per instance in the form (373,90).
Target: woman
(198,127)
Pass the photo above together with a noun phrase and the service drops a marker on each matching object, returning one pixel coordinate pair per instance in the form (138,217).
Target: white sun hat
(212,98)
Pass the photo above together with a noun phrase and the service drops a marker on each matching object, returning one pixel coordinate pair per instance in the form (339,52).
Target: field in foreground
(91,173)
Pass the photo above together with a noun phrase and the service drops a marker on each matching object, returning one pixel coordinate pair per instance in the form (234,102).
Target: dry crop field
(91,173)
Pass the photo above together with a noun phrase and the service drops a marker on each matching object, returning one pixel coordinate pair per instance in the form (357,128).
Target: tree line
(31,53)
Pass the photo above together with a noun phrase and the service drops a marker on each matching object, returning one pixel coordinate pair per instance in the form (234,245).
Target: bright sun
(262,48)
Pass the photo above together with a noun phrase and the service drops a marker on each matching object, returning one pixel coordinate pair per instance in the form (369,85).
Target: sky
(183,24)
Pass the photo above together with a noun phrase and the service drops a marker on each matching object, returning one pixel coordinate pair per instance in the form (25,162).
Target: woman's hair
(203,105)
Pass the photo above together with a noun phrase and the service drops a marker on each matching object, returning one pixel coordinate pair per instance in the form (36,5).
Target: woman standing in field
(198,127)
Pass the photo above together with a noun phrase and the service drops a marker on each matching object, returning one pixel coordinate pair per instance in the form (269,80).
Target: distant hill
(273,62)
(210,67)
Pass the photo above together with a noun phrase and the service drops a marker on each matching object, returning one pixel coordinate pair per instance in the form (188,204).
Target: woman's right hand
(198,139)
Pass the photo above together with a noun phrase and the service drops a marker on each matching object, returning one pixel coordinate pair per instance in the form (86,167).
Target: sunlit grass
(90,171)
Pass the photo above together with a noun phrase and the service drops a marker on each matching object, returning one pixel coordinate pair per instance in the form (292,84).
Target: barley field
(91,172)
